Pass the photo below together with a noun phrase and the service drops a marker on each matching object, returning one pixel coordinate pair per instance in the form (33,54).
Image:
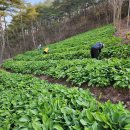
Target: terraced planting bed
(29,103)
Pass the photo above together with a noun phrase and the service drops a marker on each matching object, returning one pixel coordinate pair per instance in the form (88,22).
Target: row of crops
(102,73)
(28,103)
(80,52)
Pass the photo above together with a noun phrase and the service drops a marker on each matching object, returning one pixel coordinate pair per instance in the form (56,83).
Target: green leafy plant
(70,59)
(29,103)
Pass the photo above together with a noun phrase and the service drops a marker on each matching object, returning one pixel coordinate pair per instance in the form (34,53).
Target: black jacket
(98,45)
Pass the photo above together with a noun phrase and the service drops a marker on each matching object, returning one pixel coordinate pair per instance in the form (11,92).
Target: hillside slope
(28,103)
(70,59)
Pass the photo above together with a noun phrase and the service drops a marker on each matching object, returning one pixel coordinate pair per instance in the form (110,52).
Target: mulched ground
(102,94)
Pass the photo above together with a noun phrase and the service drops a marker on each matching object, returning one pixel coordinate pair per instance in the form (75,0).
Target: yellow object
(128,35)
(46,50)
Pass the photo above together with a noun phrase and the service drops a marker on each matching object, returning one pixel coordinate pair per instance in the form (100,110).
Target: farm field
(29,103)
(70,59)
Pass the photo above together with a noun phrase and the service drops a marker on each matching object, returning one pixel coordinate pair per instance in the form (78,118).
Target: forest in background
(53,21)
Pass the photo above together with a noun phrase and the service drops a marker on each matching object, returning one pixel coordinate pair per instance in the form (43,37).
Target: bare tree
(117,6)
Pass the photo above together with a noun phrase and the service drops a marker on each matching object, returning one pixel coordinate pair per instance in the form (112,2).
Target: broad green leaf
(24,119)
(36,126)
(95,126)
(89,115)
(127,127)
(83,122)
(85,128)
(57,127)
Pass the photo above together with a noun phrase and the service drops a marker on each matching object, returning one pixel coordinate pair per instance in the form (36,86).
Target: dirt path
(102,94)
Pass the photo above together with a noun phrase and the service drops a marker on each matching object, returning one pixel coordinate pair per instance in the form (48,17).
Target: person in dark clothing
(96,50)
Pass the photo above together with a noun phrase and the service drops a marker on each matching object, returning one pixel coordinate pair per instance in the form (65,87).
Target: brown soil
(59,81)
(102,94)
(113,94)
(123,31)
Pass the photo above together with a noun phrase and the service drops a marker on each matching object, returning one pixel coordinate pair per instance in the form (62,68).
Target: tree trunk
(128,20)
(7,40)
(114,14)
(3,41)
(23,33)
(32,32)
(120,16)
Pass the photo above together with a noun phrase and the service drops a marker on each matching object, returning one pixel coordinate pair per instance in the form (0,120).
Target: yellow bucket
(128,35)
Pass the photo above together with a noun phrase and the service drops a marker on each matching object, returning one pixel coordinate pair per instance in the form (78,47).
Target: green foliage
(94,72)
(77,47)
(29,103)
(120,51)
(70,59)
